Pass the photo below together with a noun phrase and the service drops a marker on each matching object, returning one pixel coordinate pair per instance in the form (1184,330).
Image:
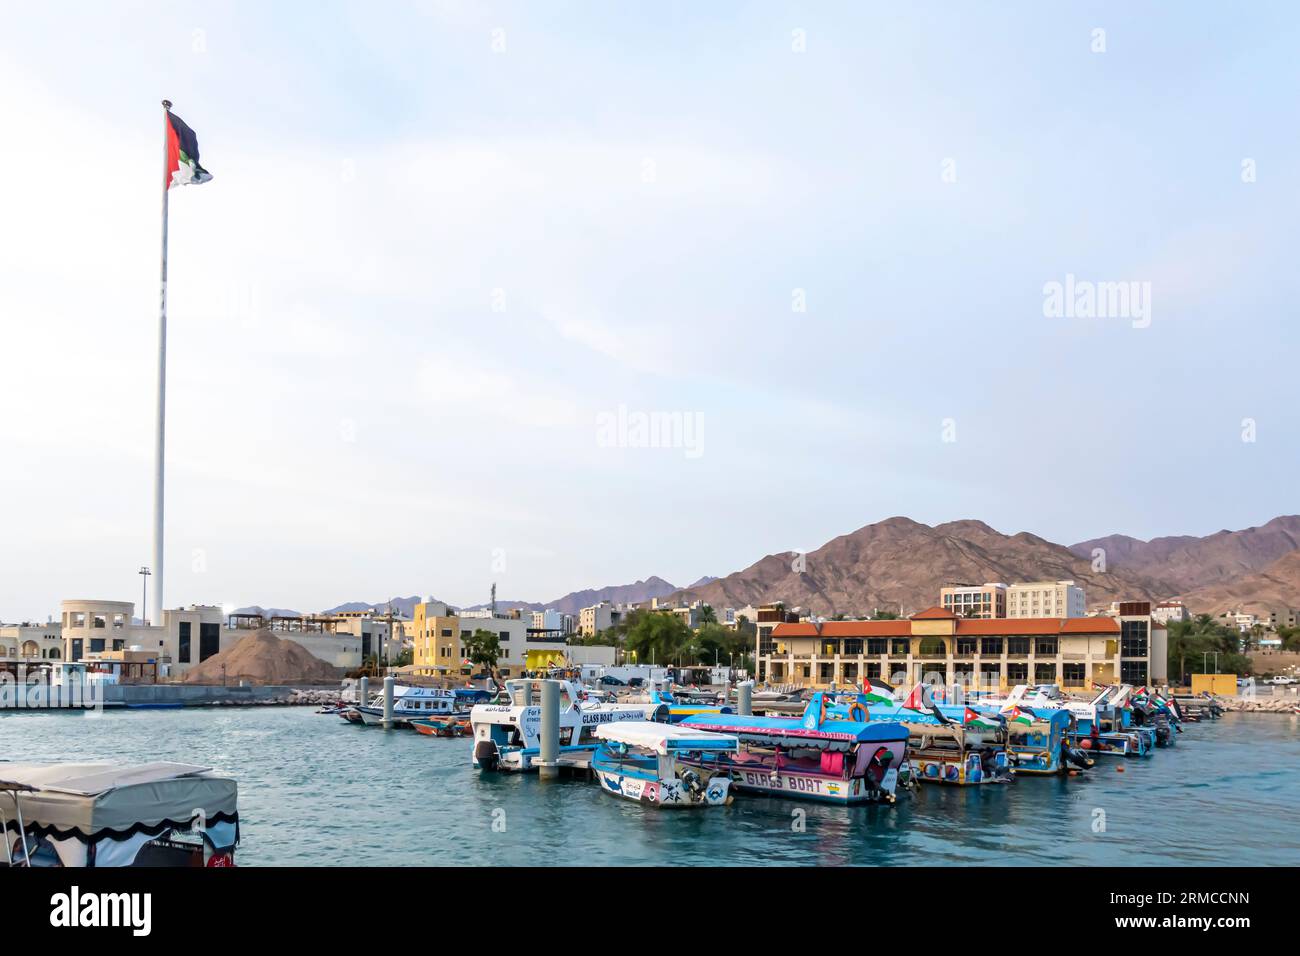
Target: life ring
(857,708)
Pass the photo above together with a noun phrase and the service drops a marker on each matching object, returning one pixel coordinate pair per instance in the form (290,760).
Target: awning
(91,800)
(664,738)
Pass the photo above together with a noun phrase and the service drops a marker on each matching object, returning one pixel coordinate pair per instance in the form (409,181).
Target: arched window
(933,647)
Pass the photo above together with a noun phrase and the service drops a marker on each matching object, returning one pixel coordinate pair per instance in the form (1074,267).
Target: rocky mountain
(1275,587)
(402,606)
(901,564)
(1187,562)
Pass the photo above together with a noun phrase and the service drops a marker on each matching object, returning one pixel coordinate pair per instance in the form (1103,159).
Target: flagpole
(155,606)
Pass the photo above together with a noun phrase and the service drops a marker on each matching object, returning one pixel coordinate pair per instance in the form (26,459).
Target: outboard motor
(486,754)
(692,781)
(1073,755)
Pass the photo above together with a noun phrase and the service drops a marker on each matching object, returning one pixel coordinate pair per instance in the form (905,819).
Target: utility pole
(144,589)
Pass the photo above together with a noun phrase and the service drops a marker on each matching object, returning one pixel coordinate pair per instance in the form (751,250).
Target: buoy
(1085,743)
(1119,769)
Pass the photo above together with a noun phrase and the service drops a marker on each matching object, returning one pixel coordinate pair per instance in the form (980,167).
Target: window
(966,646)
(830,648)
(872,670)
(183,651)
(1045,646)
(877,646)
(1133,639)
(446,632)
(96,645)
(76,649)
(209,640)
(100,621)
(991,646)
(1133,672)
(1017,673)
(933,647)
(1018,646)
(853,646)
(898,647)
(1073,673)
(1045,673)
(505,636)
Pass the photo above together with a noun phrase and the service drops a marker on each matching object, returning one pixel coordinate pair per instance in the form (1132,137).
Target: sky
(454,256)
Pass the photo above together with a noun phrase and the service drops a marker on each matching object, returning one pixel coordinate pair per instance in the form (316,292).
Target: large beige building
(1046,599)
(597,618)
(980,601)
(31,641)
(996,653)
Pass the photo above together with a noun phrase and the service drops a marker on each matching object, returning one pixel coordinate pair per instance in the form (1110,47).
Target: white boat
(640,760)
(412,702)
(508,736)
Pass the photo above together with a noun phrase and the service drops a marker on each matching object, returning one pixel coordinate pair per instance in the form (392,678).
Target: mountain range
(900,564)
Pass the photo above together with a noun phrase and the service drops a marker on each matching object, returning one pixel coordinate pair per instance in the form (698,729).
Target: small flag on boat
(915,700)
(876,691)
(1018,715)
(972,719)
(182,154)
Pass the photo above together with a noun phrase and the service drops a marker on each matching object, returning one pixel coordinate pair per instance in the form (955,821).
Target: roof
(802,629)
(935,613)
(966,627)
(664,738)
(85,799)
(1090,625)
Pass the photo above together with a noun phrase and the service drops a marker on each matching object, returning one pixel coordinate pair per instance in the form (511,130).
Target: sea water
(316,791)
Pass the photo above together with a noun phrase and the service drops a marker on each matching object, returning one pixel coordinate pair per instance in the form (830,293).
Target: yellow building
(435,631)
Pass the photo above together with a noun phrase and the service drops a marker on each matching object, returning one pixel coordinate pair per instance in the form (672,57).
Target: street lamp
(144,587)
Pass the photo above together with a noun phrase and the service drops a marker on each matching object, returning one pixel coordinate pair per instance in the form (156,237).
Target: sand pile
(263,658)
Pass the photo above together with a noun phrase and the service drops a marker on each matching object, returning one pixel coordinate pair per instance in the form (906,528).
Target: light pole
(144,588)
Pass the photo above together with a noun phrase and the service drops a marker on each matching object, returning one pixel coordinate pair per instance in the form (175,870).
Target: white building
(597,618)
(1167,612)
(1046,599)
(553,620)
(32,641)
(975,601)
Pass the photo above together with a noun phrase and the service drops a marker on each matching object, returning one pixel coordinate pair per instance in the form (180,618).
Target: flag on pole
(1017,715)
(973,719)
(876,691)
(182,154)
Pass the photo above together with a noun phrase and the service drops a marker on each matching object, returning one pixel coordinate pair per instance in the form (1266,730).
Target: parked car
(608,681)
(1282,679)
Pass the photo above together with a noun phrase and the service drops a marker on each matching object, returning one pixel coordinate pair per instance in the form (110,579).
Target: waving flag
(876,691)
(1018,715)
(973,719)
(182,154)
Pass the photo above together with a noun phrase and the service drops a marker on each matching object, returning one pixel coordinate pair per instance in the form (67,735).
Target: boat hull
(809,786)
(668,794)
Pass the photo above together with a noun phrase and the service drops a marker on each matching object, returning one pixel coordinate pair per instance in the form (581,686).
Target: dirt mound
(263,658)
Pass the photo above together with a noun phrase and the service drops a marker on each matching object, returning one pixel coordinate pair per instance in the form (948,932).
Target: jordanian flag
(972,719)
(876,691)
(1017,716)
(182,154)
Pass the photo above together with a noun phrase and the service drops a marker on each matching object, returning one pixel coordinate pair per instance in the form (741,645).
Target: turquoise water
(315,791)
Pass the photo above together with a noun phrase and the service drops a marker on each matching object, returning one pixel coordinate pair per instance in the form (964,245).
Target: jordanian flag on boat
(972,719)
(182,154)
(876,691)
(1018,716)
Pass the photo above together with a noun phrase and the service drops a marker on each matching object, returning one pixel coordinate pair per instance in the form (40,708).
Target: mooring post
(549,764)
(389,685)
(363,694)
(745,698)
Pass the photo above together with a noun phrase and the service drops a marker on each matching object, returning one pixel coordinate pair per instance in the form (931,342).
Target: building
(553,620)
(1283,617)
(436,647)
(31,641)
(994,652)
(979,601)
(1167,612)
(1045,599)
(597,618)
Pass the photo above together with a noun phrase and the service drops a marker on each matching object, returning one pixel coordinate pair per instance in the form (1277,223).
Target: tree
(483,648)
(707,615)
(880,615)
(657,637)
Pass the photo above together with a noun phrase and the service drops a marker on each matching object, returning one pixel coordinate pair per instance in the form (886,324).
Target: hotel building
(993,653)
(980,601)
(1046,599)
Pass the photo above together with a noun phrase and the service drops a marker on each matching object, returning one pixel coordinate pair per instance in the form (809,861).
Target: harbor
(313,792)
